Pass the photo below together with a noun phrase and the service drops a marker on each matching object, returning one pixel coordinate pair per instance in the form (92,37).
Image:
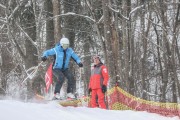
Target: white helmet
(64,43)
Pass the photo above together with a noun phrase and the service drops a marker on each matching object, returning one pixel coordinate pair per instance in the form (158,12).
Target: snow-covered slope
(16,110)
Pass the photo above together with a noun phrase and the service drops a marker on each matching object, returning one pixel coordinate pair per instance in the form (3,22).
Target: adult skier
(98,83)
(63,53)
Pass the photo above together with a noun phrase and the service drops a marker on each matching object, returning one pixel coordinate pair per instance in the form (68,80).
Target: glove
(44,58)
(89,91)
(80,64)
(104,88)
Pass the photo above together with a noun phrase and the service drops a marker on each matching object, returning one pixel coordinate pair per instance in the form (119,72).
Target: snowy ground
(16,110)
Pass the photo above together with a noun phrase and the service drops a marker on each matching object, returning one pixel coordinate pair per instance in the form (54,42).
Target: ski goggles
(65,46)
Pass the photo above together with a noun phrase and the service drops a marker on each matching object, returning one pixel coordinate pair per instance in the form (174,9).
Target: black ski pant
(60,77)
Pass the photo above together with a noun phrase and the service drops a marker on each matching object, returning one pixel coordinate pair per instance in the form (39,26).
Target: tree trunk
(108,41)
(87,63)
(144,58)
(57,24)
(169,53)
(50,41)
(31,58)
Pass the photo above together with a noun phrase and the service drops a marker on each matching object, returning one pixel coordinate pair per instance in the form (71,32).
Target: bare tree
(57,25)
(50,41)
(108,41)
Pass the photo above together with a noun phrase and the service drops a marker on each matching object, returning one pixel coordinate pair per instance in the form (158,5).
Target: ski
(65,102)
(75,102)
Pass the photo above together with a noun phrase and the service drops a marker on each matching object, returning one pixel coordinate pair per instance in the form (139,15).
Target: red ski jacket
(99,76)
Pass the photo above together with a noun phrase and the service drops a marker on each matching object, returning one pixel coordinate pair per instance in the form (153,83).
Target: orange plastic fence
(118,99)
(121,100)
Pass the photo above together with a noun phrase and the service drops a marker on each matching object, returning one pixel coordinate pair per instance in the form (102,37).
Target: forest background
(138,41)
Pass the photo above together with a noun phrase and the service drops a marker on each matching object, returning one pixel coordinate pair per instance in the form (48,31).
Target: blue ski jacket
(59,52)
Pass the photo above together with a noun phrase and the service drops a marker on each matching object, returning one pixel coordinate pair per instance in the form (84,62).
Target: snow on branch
(29,38)
(135,9)
(127,18)
(22,3)
(4,7)
(116,11)
(74,14)
(157,25)
(150,94)
(101,19)
(14,11)
(31,72)
(132,11)
(1,27)
(3,20)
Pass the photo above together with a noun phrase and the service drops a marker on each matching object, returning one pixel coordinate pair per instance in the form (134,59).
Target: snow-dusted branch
(14,11)
(33,71)
(74,14)
(29,38)
(3,20)
(101,19)
(116,11)
(150,94)
(2,26)
(129,16)
(22,3)
(2,6)
(3,89)
(157,24)
(135,9)
(151,41)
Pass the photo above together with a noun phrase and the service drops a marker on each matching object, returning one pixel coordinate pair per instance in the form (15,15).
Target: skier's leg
(94,98)
(71,81)
(60,80)
(101,99)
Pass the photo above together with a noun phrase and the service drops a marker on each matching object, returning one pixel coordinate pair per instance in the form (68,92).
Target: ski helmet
(64,43)
(97,57)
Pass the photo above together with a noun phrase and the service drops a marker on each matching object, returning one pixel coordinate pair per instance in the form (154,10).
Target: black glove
(44,58)
(80,64)
(89,91)
(104,88)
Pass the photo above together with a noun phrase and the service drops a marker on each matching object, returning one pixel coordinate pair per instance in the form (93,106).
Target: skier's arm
(49,52)
(105,75)
(75,57)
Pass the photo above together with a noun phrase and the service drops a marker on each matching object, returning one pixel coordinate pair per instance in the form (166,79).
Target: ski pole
(31,75)
(80,81)
(89,100)
(106,100)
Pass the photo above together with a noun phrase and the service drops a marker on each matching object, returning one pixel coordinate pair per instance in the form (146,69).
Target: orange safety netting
(121,100)
(118,99)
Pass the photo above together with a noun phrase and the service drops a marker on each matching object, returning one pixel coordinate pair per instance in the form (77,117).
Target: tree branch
(29,38)
(17,7)
(73,14)
(4,7)
(17,45)
(130,14)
